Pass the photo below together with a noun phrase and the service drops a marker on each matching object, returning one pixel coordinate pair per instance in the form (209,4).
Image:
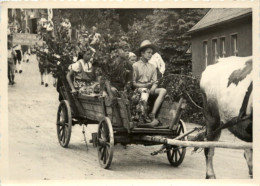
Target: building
(26,19)
(222,32)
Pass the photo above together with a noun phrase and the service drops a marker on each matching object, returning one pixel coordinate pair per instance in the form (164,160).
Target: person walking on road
(18,58)
(11,65)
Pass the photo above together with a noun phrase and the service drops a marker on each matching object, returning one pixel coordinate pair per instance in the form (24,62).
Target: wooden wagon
(113,116)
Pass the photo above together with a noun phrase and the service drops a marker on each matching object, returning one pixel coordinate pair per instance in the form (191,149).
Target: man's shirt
(158,62)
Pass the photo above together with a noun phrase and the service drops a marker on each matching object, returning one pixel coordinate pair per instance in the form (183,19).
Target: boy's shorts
(144,94)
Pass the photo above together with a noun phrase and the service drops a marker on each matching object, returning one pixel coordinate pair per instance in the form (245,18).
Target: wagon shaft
(204,144)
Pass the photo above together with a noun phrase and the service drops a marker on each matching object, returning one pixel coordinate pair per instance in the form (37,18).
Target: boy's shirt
(144,72)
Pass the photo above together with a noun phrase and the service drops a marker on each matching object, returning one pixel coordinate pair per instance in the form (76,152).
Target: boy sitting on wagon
(145,81)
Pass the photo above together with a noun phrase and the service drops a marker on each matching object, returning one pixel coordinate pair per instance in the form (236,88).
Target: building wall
(243,29)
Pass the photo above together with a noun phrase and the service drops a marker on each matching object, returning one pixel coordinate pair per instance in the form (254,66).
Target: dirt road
(35,154)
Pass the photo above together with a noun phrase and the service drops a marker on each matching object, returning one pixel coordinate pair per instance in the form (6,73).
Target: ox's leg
(248,154)
(213,121)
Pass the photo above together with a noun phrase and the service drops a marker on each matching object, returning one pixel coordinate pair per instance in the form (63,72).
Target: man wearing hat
(145,80)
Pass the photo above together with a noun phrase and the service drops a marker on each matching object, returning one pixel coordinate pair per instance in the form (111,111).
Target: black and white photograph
(129,93)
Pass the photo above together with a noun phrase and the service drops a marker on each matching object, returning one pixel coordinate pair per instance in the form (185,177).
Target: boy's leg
(161,92)
(143,102)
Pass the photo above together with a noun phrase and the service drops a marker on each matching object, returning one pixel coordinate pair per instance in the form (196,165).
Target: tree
(167,28)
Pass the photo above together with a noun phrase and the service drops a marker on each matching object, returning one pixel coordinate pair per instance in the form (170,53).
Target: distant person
(159,64)
(26,53)
(43,64)
(18,58)
(83,32)
(94,37)
(43,22)
(11,64)
(66,25)
(132,58)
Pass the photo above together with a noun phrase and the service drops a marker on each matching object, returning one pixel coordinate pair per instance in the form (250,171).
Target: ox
(226,87)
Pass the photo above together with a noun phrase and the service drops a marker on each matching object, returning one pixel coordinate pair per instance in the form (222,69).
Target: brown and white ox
(224,86)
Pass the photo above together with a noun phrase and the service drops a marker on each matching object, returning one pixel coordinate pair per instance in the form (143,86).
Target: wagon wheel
(176,154)
(64,123)
(105,145)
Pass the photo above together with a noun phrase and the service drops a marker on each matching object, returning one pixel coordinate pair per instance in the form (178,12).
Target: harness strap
(242,111)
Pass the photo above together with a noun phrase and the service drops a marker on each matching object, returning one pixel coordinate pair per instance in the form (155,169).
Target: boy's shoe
(10,83)
(155,123)
(46,85)
(15,71)
(13,82)
(20,71)
(27,60)
(147,119)
(151,116)
(42,83)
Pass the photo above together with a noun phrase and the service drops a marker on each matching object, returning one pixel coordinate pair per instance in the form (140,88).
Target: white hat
(131,54)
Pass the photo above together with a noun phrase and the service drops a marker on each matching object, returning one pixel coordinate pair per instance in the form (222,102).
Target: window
(205,52)
(234,51)
(222,48)
(214,50)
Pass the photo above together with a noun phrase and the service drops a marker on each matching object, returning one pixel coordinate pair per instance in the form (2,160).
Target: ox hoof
(210,177)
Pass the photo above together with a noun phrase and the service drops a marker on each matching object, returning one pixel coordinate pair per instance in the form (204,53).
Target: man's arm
(69,79)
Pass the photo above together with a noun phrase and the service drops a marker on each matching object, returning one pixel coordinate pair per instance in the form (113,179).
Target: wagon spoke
(172,154)
(64,136)
(106,132)
(176,157)
(179,152)
(102,153)
(107,152)
(105,155)
(103,134)
(60,129)
(59,123)
(179,130)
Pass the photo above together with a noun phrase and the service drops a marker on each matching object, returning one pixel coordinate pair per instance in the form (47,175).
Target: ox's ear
(240,74)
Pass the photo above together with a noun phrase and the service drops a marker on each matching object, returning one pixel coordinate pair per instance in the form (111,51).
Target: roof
(220,15)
